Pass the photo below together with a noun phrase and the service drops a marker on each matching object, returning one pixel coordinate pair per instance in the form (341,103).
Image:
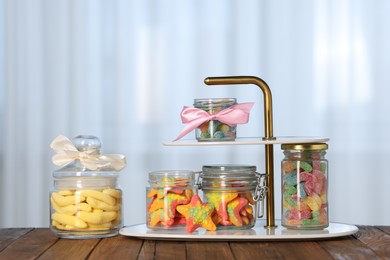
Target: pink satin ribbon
(194,117)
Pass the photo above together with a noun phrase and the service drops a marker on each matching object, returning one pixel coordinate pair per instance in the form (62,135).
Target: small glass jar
(215,130)
(85,203)
(166,191)
(233,190)
(305,186)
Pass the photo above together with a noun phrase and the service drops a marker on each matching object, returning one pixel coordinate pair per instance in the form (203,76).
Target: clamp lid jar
(233,191)
(86,201)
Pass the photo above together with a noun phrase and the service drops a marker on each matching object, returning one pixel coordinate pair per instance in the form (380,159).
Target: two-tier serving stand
(271,230)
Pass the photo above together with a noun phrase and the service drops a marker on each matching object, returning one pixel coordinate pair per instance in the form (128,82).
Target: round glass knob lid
(86,142)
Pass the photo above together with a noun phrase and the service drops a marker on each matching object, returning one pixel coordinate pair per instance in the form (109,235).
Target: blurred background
(123,69)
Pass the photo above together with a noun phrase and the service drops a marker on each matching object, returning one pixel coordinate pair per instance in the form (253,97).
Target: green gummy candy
(323,166)
(204,135)
(290,190)
(310,222)
(305,166)
(315,214)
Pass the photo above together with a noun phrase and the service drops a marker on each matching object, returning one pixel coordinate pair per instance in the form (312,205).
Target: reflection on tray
(304,232)
(246,232)
(202,232)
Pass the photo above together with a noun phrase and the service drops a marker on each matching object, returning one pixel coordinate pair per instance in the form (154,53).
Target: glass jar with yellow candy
(86,201)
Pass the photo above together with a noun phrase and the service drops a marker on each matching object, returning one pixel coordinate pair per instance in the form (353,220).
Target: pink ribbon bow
(194,117)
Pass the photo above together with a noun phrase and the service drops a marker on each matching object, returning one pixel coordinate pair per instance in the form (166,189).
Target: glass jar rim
(85,182)
(214,102)
(227,168)
(307,146)
(229,177)
(71,174)
(171,178)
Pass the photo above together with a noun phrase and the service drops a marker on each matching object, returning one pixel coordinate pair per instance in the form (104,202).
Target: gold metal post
(268,127)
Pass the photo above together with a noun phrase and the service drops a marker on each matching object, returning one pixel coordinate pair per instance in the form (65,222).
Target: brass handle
(268,129)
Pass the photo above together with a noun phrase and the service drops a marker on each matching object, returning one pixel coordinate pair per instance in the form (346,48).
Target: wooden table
(371,242)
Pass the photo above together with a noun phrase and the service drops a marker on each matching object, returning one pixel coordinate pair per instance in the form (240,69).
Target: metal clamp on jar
(235,192)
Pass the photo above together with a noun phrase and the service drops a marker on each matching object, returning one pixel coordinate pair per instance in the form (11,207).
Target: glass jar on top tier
(215,130)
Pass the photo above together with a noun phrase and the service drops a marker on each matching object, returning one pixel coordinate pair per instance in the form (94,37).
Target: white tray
(256,233)
(253,141)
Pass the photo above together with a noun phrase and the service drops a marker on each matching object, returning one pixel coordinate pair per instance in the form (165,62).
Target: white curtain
(122,70)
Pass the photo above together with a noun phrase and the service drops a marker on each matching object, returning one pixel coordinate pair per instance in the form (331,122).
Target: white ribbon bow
(91,159)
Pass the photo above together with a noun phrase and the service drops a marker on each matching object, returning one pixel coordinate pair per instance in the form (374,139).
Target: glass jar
(234,192)
(85,203)
(305,186)
(166,191)
(214,130)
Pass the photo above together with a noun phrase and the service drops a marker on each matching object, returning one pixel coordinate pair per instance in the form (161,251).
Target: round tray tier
(258,232)
(253,141)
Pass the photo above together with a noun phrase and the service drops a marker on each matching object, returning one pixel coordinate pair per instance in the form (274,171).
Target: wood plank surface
(148,250)
(30,245)
(118,247)
(70,249)
(170,250)
(347,248)
(376,239)
(208,250)
(279,250)
(384,229)
(9,235)
(41,243)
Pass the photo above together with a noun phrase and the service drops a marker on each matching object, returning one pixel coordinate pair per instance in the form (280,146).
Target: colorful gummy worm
(304,193)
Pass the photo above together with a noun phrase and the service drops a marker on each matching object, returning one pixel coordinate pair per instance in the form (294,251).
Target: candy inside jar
(305,186)
(214,130)
(86,201)
(233,191)
(167,190)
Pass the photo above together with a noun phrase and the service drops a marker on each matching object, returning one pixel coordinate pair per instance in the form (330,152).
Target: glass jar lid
(83,151)
(87,142)
(307,146)
(230,176)
(207,103)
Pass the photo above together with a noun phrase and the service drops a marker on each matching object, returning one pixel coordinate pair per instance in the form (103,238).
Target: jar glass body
(215,130)
(230,189)
(85,204)
(166,191)
(305,187)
